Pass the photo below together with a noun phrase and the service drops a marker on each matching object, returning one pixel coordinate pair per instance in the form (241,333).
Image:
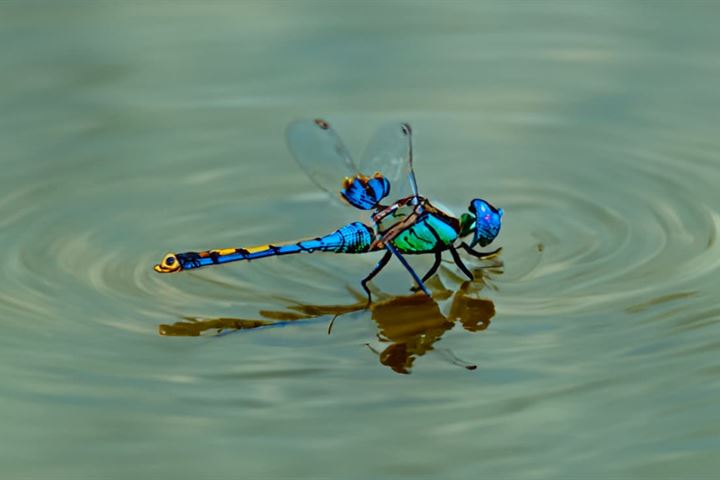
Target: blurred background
(131,129)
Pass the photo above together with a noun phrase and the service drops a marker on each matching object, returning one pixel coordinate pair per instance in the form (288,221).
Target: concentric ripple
(640,223)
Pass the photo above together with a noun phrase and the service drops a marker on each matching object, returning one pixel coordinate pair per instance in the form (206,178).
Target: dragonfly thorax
(415,226)
(385,217)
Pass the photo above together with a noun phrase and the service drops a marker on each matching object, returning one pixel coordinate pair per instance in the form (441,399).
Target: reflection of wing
(390,153)
(321,153)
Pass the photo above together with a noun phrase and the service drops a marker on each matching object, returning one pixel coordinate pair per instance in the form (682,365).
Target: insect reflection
(408,326)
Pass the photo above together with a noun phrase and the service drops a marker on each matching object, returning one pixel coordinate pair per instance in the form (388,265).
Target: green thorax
(431,230)
(467,224)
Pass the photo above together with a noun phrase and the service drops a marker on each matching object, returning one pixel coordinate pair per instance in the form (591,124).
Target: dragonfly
(402,224)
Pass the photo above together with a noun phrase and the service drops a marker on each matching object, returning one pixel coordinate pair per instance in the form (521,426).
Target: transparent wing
(390,153)
(321,153)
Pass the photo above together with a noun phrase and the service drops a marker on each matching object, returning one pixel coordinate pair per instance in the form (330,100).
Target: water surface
(131,130)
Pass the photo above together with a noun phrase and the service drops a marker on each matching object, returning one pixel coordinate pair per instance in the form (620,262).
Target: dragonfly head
(483,221)
(169,264)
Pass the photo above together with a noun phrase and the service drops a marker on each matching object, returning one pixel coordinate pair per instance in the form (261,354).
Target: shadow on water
(408,326)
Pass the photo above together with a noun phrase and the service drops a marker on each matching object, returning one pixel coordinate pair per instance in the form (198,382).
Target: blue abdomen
(353,238)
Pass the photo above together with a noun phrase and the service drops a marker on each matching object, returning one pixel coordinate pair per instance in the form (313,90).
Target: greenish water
(130,130)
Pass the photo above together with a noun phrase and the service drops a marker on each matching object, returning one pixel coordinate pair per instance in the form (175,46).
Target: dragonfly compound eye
(487,221)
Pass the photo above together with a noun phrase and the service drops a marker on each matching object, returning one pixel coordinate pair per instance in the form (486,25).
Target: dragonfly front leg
(477,254)
(380,265)
(460,264)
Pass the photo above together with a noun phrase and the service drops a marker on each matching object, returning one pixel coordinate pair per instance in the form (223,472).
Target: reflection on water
(412,325)
(408,325)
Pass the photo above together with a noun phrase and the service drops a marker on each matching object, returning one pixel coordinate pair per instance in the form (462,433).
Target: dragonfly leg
(433,269)
(410,270)
(431,272)
(477,254)
(460,264)
(380,265)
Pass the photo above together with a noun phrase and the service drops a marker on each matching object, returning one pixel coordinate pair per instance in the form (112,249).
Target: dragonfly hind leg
(380,265)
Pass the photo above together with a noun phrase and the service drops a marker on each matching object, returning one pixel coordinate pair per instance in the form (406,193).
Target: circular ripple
(86,256)
(642,223)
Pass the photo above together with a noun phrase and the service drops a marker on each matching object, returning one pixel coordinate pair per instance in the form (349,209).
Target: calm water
(128,131)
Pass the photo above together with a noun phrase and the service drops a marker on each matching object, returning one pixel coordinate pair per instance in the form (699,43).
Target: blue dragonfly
(405,223)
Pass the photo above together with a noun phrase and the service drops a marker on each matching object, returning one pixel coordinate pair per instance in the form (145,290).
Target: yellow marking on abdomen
(224,251)
(260,248)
